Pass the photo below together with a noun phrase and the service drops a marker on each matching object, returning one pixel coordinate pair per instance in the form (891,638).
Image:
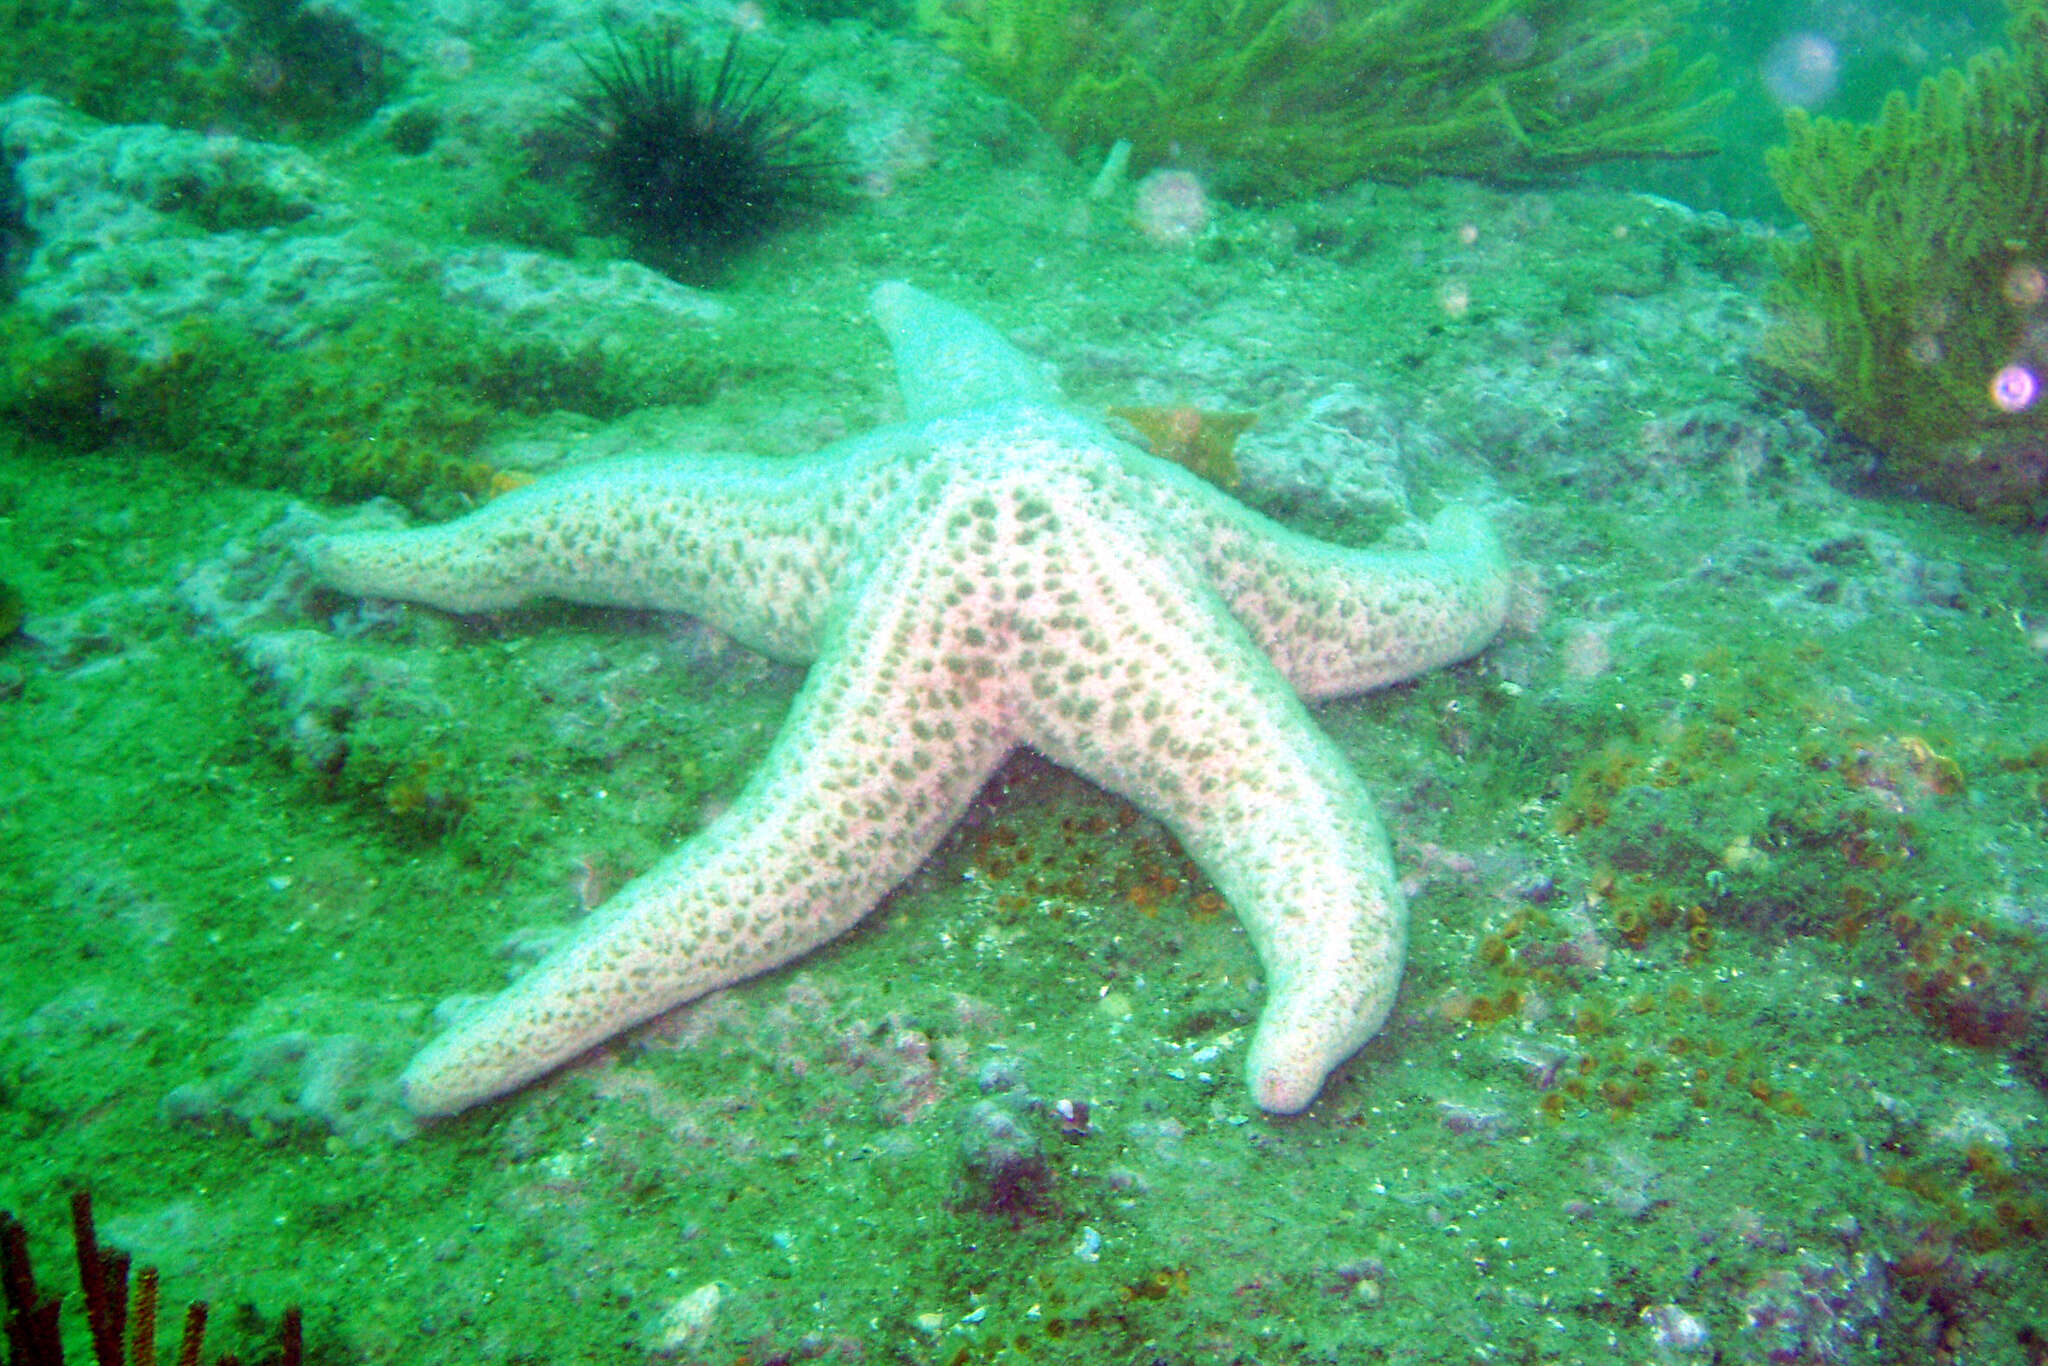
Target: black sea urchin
(689,162)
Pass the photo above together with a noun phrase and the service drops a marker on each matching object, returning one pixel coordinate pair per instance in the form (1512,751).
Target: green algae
(1279,98)
(274,67)
(13,610)
(797,1140)
(1918,284)
(397,400)
(125,61)
(780,1138)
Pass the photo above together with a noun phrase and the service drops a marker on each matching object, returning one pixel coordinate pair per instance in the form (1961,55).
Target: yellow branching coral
(1284,96)
(1918,305)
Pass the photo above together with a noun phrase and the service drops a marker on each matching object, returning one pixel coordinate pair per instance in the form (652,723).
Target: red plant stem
(195,1334)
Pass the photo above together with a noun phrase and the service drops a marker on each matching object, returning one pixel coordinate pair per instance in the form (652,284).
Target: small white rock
(685,1325)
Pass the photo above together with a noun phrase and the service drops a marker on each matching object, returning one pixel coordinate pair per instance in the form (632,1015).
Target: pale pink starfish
(994,571)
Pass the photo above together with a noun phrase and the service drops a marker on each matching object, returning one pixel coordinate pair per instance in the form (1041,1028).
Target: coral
(1751,803)
(122,1330)
(1981,984)
(1749,799)
(1099,850)
(1916,304)
(1959,1212)
(1279,97)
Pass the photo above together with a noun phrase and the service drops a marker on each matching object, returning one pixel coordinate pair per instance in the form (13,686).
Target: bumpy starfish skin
(995,571)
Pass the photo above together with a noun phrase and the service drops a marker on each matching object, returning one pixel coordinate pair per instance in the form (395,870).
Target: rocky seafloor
(1722,1032)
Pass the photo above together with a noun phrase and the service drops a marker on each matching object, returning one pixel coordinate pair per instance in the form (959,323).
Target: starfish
(996,570)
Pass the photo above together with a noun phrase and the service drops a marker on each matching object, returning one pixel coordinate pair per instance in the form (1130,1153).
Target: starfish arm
(1335,620)
(881,753)
(948,361)
(1339,621)
(754,546)
(1163,697)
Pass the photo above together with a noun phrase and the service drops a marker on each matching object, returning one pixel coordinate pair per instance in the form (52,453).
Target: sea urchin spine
(689,166)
